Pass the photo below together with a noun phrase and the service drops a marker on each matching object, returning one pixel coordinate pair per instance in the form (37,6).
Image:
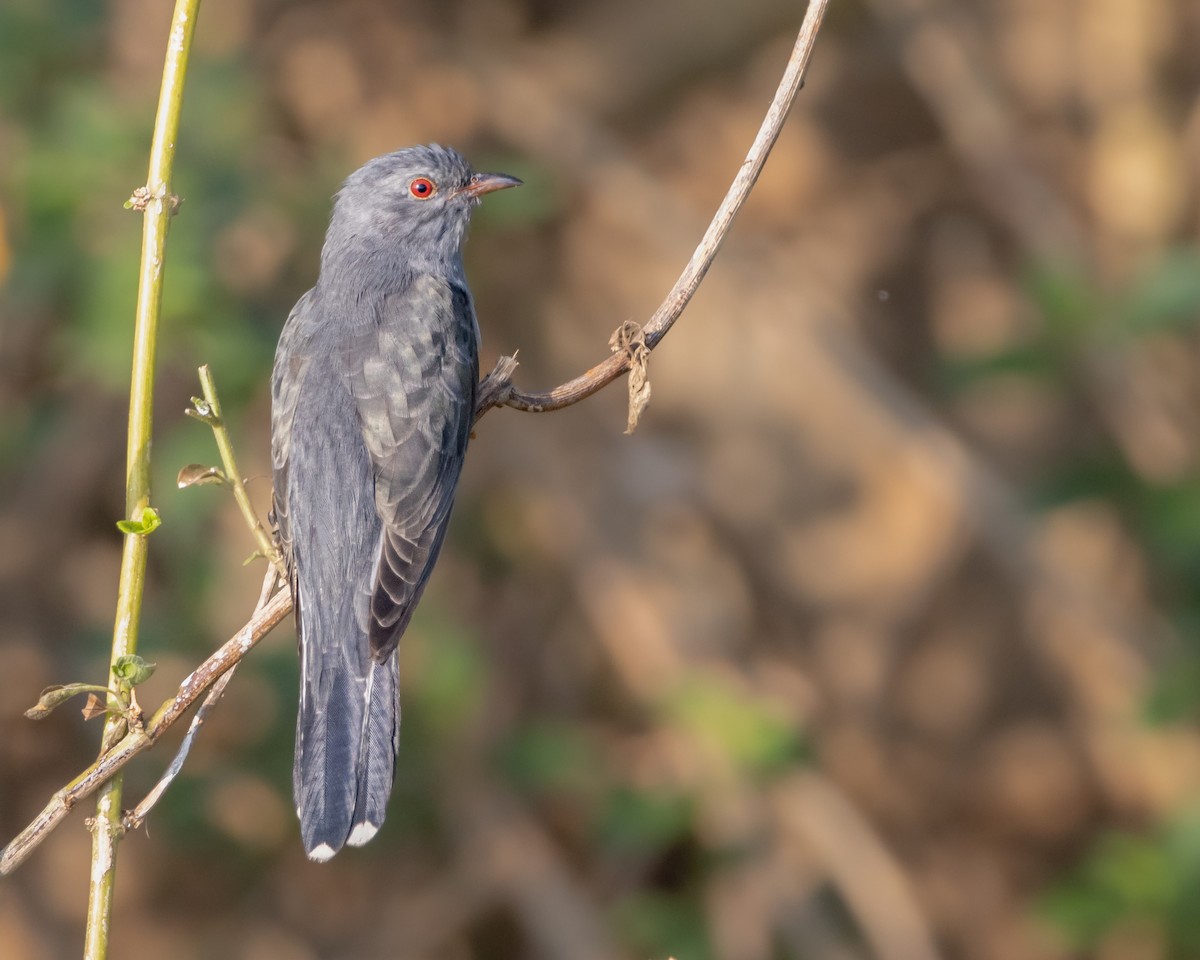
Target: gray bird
(373,395)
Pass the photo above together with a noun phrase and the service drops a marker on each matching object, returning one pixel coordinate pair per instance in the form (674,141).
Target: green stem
(216,419)
(106,831)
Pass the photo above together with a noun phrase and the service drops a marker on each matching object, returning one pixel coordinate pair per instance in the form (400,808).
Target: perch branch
(497,388)
(133,743)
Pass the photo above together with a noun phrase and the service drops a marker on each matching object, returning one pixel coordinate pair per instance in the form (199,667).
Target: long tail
(347,736)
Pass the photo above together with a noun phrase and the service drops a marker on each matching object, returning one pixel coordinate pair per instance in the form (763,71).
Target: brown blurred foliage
(855,649)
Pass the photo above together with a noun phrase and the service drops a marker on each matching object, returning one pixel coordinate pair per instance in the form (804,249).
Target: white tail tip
(362,833)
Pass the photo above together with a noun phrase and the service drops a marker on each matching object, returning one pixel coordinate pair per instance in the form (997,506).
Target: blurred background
(879,640)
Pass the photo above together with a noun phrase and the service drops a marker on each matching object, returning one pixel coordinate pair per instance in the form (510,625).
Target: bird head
(416,201)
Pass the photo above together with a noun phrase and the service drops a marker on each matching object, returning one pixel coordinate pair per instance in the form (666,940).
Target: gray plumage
(373,395)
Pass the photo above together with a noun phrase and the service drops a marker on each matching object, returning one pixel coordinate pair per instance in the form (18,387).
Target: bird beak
(483,183)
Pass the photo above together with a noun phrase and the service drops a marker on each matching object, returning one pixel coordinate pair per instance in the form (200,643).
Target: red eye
(422,188)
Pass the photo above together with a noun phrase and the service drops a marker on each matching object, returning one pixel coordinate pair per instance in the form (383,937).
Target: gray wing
(416,401)
(291,363)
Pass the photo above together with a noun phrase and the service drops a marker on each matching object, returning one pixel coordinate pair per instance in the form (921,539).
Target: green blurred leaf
(1165,297)
(1136,871)
(1031,360)
(1153,879)
(751,732)
(644,820)
(1096,474)
(1067,299)
(546,755)
(1080,912)
(1175,696)
(451,671)
(663,925)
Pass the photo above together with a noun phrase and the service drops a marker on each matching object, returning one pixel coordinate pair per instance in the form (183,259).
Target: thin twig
(157,203)
(496,389)
(190,690)
(132,819)
(213,416)
(137,816)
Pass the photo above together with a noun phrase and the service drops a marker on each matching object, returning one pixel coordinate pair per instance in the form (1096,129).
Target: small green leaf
(132,669)
(148,522)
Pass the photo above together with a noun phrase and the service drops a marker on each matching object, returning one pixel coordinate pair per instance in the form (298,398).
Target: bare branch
(132,819)
(137,816)
(496,391)
(133,743)
(209,411)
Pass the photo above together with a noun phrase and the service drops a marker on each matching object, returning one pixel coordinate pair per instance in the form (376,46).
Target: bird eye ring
(422,188)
